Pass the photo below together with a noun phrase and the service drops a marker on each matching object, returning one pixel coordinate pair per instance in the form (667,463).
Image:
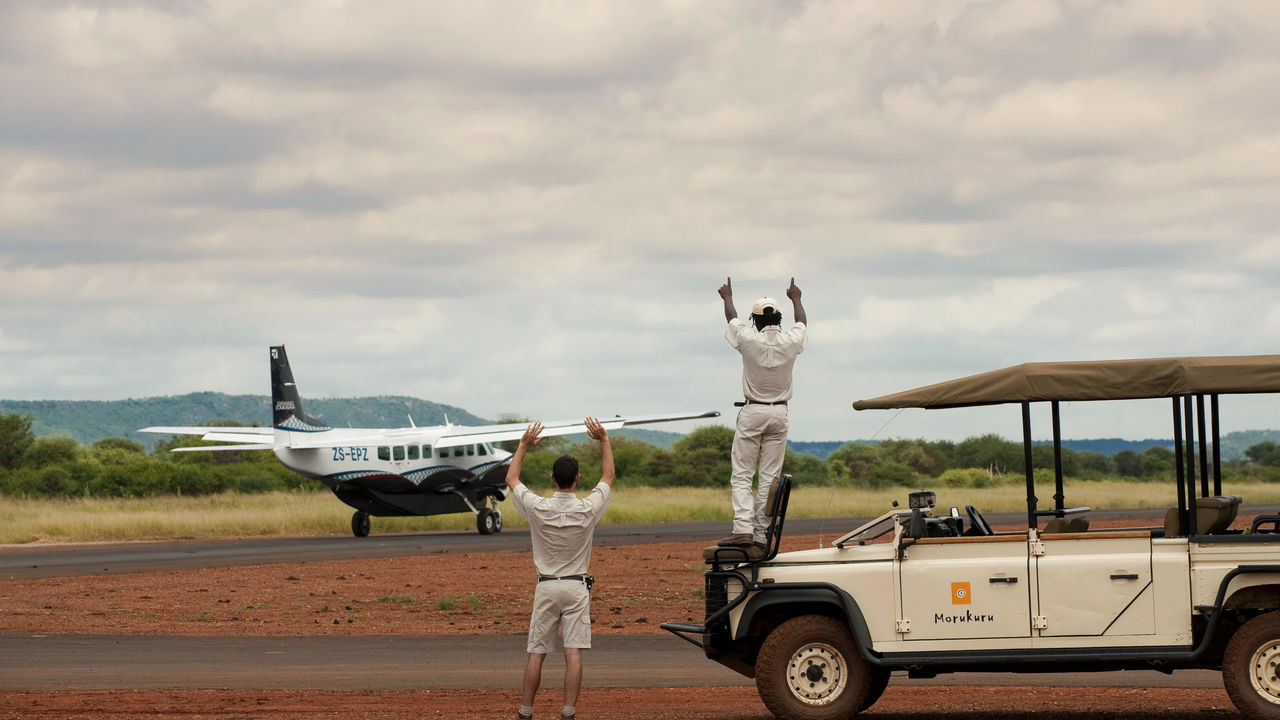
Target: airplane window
(413,452)
(398,452)
(471,449)
(426,452)
(384,453)
(480,449)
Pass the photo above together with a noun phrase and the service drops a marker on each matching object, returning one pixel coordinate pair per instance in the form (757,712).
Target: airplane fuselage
(404,460)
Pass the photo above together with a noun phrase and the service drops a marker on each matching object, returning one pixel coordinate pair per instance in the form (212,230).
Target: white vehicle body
(821,630)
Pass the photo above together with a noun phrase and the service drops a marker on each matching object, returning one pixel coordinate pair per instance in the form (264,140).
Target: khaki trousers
(760,441)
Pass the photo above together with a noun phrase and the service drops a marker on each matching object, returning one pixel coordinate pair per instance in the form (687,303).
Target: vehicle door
(964,588)
(1095,583)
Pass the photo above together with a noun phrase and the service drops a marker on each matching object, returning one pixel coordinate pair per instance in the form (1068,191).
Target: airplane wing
(462,435)
(454,435)
(253,435)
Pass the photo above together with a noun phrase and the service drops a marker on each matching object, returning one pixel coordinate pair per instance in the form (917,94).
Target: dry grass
(315,513)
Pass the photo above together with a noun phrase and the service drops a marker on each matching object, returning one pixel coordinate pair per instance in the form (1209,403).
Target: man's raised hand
(726,290)
(531,434)
(595,430)
(793,292)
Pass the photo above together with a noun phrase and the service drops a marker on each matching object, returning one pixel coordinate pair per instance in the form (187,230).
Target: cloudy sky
(526,207)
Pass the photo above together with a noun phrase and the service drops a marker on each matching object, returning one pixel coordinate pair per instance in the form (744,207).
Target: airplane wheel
(360,524)
(497,520)
(488,521)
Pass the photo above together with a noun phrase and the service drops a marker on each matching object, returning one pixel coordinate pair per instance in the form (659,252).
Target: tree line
(60,466)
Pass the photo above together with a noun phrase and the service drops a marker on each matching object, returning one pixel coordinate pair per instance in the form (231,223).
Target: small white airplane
(397,471)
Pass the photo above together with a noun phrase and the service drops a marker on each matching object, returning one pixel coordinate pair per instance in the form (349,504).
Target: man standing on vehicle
(760,437)
(561,528)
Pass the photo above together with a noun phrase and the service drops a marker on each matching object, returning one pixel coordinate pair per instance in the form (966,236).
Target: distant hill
(1233,444)
(91,420)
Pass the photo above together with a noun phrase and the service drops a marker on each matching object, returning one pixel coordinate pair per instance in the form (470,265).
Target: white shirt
(767,358)
(562,527)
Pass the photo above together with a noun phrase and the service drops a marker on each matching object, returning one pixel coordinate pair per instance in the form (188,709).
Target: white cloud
(527,207)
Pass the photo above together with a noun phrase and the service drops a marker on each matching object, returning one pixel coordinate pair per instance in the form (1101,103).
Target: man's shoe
(568,717)
(759,549)
(522,716)
(736,540)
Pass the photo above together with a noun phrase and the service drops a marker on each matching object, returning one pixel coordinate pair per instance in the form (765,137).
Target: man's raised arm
(597,432)
(793,292)
(530,437)
(726,293)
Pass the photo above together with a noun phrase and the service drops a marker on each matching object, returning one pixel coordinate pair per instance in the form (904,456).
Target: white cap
(763,304)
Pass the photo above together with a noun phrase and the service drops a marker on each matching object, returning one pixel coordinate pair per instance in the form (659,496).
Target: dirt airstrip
(638,587)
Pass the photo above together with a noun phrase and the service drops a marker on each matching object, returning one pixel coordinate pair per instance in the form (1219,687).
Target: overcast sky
(526,207)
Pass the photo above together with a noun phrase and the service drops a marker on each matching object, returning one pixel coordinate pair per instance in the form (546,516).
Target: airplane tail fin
(286,404)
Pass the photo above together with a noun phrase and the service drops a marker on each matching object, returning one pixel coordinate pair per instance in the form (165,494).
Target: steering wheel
(977,522)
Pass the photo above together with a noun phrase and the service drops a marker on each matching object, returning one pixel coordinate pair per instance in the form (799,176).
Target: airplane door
(1096,584)
(965,587)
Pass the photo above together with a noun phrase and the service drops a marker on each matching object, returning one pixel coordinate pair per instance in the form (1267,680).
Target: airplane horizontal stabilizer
(213,448)
(215,434)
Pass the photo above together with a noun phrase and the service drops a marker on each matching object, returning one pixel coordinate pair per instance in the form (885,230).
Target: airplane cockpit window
(398,452)
(471,449)
(413,452)
(481,450)
(426,452)
(384,453)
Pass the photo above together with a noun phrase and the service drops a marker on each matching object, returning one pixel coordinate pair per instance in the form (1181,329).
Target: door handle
(1124,576)
(1009,580)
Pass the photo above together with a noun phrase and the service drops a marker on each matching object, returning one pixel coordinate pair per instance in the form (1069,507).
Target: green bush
(969,478)
(890,474)
(51,449)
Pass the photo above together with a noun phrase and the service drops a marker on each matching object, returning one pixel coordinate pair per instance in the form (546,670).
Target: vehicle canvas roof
(1094,380)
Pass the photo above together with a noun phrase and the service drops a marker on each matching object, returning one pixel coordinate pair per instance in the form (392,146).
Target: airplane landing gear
(360,524)
(489,521)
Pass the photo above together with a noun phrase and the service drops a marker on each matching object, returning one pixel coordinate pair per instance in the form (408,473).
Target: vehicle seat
(1054,526)
(1078,525)
(775,508)
(1213,515)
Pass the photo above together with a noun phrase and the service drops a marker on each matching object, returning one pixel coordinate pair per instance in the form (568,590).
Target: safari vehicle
(929,592)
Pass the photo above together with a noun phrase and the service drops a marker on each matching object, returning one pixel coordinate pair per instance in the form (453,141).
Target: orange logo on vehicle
(960,593)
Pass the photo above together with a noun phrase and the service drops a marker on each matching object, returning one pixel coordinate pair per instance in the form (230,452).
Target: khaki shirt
(767,358)
(561,528)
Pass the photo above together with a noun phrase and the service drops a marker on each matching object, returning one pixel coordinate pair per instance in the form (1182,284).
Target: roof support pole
(1177,463)
(1217,443)
(1058,498)
(1189,431)
(1204,447)
(1026,460)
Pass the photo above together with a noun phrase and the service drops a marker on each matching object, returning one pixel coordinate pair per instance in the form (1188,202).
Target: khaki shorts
(563,605)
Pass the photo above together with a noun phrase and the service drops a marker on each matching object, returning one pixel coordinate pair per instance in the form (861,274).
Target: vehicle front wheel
(1249,668)
(809,669)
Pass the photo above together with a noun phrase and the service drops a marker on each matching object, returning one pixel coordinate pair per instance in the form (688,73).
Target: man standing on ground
(561,528)
(760,438)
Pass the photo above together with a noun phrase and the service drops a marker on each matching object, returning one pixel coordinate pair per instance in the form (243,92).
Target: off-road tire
(809,669)
(879,681)
(1250,665)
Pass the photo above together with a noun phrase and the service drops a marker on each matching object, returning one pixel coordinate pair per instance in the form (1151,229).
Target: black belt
(579,578)
(749,401)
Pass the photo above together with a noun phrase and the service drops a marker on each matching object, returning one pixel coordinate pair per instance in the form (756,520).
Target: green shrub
(890,474)
(969,478)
